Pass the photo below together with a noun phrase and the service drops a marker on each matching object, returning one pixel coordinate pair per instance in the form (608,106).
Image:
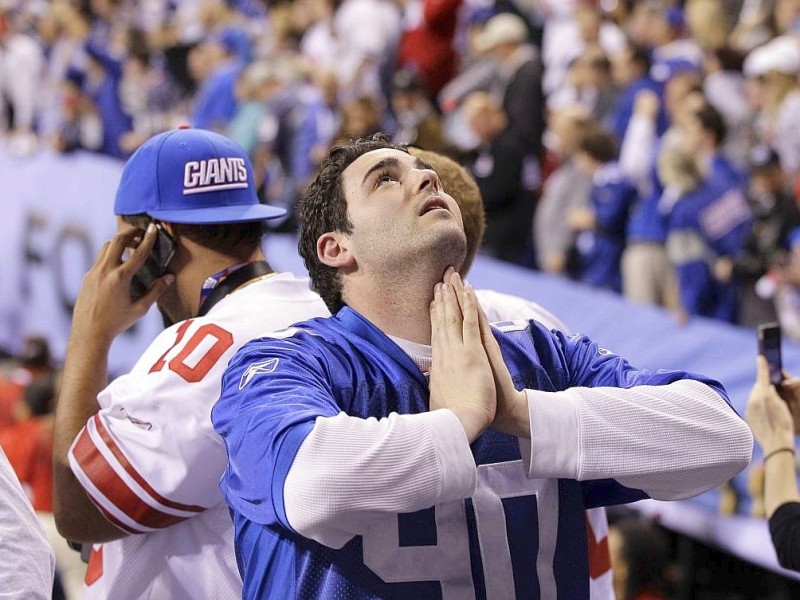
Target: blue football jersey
(712,221)
(600,249)
(515,537)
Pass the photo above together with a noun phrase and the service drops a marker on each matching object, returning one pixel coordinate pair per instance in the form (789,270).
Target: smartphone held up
(155,265)
(769,346)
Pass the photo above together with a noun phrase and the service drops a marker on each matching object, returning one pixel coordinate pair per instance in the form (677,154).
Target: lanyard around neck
(234,280)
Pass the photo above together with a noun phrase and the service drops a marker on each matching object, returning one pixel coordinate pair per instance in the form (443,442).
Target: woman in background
(773,418)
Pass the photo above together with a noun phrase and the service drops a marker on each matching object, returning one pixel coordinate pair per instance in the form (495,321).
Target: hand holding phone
(769,345)
(155,265)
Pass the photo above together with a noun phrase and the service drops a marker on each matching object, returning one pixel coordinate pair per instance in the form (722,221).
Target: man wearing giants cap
(137,461)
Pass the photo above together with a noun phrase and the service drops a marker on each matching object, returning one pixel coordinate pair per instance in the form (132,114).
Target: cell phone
(155,265)
(769,345)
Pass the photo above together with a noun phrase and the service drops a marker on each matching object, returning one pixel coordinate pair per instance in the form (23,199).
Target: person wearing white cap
(136,462)
(775,67)
(519,82)
(517,87)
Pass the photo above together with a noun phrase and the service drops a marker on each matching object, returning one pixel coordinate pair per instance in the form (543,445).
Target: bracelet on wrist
(777,451)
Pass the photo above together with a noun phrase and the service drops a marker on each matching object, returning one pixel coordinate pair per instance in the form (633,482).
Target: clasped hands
(468,374)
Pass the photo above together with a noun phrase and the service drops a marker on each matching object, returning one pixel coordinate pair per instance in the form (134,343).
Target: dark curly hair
(324,208)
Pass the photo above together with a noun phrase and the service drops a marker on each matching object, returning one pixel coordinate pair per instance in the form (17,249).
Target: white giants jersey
(151,461)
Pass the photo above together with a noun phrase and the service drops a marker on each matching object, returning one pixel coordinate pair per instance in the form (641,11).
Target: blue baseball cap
(191,176)
(665,69)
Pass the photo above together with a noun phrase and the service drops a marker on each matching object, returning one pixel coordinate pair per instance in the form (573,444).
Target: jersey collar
(360,326)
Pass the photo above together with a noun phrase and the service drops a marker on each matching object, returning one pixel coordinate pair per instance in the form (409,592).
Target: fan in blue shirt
(403,448)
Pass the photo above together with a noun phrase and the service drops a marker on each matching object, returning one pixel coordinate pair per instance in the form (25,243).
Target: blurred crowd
(648,147)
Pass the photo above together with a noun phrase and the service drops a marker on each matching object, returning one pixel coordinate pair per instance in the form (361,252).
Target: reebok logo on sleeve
(260,368)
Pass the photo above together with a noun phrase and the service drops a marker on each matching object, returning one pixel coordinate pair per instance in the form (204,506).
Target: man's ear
(333,250)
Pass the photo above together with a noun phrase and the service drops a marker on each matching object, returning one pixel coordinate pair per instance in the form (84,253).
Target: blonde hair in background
(678,169)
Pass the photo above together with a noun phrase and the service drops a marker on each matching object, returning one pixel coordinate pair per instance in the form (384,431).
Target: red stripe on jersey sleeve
(130,470)
(114,488)
(111,518)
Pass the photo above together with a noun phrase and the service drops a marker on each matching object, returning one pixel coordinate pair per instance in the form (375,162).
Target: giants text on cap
(214,174)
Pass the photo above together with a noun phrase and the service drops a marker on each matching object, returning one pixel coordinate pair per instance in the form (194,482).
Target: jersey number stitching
(224,340)
(448,561)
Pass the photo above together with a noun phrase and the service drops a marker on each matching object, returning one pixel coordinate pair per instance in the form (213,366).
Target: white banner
(57,213)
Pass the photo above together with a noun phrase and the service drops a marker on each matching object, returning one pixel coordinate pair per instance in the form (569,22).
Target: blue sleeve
(215,102)
(589,365)
(612,214)
(621,115)
(112,66)
(271,395)
(608,492)
(695,284)
(202,112)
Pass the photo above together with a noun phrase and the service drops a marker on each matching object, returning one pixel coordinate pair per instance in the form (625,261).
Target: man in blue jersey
(403,448)
(707,226)
(600,227)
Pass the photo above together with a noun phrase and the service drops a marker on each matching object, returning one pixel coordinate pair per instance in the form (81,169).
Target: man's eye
(384,178)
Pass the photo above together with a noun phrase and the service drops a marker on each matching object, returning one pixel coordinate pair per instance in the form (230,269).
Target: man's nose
(428,178)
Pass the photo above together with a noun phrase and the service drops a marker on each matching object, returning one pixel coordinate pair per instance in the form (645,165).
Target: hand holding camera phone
(769,345)
(155,265)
